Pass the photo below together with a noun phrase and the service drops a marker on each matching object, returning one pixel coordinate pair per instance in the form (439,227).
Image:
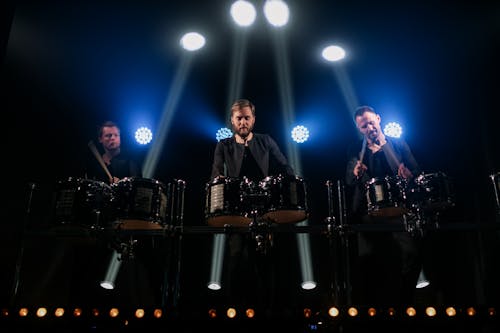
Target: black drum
(140,203)
(287,199)
(82,202)
(224,202)
(432,191)
(386,196)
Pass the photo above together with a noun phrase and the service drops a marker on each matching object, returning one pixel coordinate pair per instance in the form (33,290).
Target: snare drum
(286,199)
(224,202)
(386,196)
(82,202)
(432,191)
(140,203)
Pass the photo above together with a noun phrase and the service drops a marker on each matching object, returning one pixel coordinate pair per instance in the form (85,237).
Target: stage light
(411,312)
(333,312)
(300,134)
(143,135)
(430,311)
(139,313)
(422,281)
(231,313)
(59,312)
(5,312)
(41,312)
(77,312)
(113,312)
(157,313)
(112,272)
(333,53)
(250,313)
(214,286)
(212,313)
(308,285)
(471,312)
(95,312)
(192,41)
(243,13)
(276,12)
(451,312)
(352,311)
(307,313)
(372,312)
(393,130)
(223,133)
(391,312)
(492,312)
(23,312)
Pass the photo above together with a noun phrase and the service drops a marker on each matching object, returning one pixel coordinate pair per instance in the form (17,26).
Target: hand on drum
(359,169)
(404,172)
(114,180)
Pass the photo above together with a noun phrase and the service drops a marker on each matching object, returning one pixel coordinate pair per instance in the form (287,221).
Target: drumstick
(392,158)
(98,156)
(363,149)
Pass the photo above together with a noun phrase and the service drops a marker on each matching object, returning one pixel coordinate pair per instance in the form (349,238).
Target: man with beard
(247,155)
(388,262)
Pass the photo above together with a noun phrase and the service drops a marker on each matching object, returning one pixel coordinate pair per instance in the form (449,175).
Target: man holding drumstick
(388,262)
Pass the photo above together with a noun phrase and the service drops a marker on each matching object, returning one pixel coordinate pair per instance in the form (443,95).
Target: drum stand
(126,248)
(340,287)
(417,221)
(260,232)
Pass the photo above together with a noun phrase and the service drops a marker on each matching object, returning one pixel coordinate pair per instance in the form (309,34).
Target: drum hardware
(261,233)
(340,285)
(125,246)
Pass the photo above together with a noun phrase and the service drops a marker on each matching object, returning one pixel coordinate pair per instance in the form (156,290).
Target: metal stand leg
(17,272)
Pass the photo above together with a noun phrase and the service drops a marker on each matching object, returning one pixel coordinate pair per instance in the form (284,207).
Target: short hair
(360,110)
(107,123)
(241,103)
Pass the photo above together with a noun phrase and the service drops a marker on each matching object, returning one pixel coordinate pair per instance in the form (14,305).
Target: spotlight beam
(169,108)
(238,61)
(288,113)
(347,90)
(217,262)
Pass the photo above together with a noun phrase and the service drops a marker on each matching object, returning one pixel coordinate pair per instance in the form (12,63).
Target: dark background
(431,66)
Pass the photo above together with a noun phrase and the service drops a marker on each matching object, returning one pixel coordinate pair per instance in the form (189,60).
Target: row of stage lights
(299,133)
(250,313)
(244,14)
